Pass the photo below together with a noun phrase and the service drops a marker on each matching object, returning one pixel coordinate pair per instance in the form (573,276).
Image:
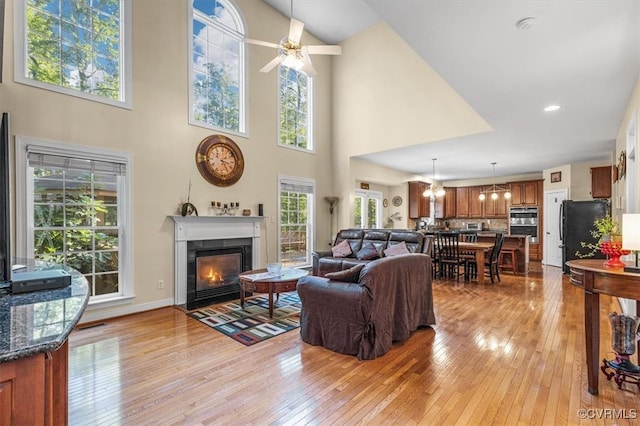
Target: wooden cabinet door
(601,182)
(530,193)
(439,207)
(22,391)
(450,203)
(419,205)
(524,193)
(462,202)
(445,207)
(475,205)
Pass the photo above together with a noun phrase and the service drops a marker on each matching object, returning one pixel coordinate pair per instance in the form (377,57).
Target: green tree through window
(217,66)
(75,44)
(294,108)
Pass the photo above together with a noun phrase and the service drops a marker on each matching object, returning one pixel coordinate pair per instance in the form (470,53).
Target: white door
(552,250)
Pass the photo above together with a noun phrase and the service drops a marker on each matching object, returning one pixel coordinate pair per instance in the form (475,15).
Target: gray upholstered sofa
(391,298)
(382,239)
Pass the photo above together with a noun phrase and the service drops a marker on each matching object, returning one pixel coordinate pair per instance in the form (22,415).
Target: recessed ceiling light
(552,108)
(525,23)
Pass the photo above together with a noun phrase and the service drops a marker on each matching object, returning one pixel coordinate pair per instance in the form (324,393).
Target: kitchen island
(518,242)
(34,329)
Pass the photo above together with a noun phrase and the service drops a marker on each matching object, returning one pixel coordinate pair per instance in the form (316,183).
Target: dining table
(480,250)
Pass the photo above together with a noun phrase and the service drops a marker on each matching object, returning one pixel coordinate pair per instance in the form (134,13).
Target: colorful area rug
(252,324)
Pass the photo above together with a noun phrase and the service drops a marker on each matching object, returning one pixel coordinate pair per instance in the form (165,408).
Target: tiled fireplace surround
(197,228)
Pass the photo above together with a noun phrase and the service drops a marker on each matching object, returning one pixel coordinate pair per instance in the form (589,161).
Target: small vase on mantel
(612,248)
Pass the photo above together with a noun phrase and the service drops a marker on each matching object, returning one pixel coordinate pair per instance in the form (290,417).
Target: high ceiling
(582,55)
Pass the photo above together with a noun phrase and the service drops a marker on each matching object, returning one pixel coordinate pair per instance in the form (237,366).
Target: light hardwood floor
(505,354)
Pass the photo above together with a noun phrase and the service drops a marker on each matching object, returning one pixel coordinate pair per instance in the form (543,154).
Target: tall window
(295,109)
(367,212)
(75,47)
(76,207)
(296,221)
(217,95)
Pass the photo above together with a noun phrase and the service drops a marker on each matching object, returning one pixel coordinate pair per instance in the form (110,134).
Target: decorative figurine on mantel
(187,208)
(624,334)
(221,209)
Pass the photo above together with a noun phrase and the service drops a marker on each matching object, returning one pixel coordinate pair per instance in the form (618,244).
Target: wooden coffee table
(271,285)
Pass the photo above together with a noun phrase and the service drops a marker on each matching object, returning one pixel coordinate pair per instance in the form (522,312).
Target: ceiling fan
(293,54)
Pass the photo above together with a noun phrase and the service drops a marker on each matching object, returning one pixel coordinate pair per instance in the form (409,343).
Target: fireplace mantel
(195,228)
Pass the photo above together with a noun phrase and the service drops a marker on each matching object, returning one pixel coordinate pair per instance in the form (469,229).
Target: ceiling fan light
(291,61)
(440,192)
(427,193)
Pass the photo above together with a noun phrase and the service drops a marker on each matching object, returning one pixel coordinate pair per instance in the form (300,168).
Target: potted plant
(609,241)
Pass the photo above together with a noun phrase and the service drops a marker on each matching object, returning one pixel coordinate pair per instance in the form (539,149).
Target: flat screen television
(5,210)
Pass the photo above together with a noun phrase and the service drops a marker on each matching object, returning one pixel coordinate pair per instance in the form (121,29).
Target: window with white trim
(76,212)
(296,224)
(76,47)
(367,212)
(295,112)
(217,66)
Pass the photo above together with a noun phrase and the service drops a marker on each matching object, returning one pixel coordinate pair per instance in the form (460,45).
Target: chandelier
(433,190)
(495,188)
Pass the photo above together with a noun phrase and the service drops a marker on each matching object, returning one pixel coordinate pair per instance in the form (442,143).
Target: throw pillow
(343,249)
(397,249)
(351,275)
(368,252)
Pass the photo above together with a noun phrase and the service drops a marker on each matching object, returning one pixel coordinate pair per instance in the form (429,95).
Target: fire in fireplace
(213,269)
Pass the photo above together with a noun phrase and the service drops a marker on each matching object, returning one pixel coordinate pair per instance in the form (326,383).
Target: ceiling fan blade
(272,64)
(307,68)
(295,30)
(324,50)
(261,43)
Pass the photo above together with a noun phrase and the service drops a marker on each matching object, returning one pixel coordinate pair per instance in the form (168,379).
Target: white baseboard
(102,314)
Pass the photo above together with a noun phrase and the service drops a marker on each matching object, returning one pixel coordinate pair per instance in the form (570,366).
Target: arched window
(217,95)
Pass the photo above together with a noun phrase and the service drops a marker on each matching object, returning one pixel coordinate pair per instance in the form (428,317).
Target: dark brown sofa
(391,299)
(324,262)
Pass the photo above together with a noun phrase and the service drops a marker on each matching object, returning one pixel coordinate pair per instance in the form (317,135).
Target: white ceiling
(583,55)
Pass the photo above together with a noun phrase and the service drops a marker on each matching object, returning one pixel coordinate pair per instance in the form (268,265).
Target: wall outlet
(160,284)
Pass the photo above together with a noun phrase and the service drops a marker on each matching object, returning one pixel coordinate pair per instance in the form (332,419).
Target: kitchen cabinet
(524,193)
(475,205)
(419,205)
(462,201)
(445,207)
(496,208)
(601,182)
(39,386)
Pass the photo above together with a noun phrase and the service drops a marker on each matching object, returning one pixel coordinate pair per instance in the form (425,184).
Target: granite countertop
(41,321)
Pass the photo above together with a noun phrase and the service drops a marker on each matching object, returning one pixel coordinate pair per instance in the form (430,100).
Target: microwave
(475,226)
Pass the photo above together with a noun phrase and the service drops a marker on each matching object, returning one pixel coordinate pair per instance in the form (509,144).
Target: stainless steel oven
(524,221)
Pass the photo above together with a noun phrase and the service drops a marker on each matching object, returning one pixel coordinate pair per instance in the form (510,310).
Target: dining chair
(491,268)
(449,259)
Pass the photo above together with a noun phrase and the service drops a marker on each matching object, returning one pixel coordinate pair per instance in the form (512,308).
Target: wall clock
(219,160)
(396,201)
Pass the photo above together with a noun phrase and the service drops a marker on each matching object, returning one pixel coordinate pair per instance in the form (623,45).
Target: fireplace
(235,238)
(213,269)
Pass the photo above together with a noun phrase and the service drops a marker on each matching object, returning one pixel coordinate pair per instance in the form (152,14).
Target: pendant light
(433,190)
(495,189)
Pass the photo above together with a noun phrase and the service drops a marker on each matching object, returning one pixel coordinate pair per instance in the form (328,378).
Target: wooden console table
(595,278)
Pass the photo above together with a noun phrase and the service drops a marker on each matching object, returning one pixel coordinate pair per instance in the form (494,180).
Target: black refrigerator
(576,224)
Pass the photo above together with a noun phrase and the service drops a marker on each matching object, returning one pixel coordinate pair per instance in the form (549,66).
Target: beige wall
(620,188)
(385,96)
(157,134)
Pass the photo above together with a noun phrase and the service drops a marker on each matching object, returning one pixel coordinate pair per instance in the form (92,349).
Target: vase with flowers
(608,241)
